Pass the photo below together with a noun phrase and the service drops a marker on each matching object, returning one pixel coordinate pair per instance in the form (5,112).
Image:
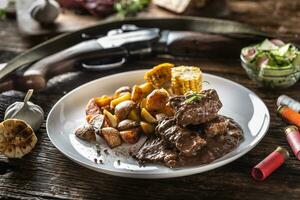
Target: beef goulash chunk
(155,150)
(187,142)
(201,109)
(217,126)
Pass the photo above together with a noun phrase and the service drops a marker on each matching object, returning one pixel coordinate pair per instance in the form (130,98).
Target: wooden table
(47,174)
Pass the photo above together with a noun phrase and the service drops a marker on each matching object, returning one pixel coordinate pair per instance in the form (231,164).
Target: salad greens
(272,54)
(272,63)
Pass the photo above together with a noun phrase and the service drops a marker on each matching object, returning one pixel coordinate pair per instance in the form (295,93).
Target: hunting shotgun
(110,44)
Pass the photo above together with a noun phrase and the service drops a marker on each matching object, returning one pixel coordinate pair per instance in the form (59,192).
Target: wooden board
(47,174)
(66,21)
(69,21)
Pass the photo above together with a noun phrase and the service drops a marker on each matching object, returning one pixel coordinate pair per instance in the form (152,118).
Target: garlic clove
(45,11)
(26,111)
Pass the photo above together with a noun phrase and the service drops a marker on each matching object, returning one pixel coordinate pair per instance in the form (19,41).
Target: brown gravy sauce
(155,150)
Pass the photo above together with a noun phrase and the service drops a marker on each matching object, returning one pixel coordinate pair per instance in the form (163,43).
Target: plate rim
(160,175)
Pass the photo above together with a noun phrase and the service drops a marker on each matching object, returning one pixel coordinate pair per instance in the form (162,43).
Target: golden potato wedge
(92,108)
(103,100)
(119,92)
(111,119)
(146,88)
(143,103)
(123,109)
(147,116)
(88,118)
(124,97)
(111,136)
(147,128)
(137,93)
(157,100)
(130,136)
(135,115)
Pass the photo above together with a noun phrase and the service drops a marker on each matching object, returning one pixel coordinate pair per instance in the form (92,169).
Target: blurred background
(24,23)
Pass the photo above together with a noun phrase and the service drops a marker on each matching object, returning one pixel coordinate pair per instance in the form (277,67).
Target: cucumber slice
(283,50)
(267,45)
(296,62)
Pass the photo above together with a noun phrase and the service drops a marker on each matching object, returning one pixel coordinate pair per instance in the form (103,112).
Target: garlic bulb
(45,11)
(16,138)
(26,111)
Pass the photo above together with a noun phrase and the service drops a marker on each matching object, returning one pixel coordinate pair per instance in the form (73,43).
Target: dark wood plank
(47,174)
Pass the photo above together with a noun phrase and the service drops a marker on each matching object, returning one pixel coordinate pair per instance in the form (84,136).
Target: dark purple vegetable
(99,8)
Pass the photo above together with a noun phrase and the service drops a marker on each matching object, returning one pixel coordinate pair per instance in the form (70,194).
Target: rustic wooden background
(47,174)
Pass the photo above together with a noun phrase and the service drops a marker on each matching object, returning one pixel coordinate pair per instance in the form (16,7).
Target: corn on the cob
(160,75)
(186,78)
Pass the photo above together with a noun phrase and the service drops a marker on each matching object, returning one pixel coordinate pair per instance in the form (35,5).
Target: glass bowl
(271,77)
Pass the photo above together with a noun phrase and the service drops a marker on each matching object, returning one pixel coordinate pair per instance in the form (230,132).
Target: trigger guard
(103,66)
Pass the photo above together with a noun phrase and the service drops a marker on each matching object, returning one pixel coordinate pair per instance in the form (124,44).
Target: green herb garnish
(130,7)
(192,97)
(2,14)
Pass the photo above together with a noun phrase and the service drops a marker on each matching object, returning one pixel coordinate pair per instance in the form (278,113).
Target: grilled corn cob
(186,78)
(160,75)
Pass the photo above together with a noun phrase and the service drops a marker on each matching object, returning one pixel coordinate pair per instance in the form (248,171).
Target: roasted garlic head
(16,138)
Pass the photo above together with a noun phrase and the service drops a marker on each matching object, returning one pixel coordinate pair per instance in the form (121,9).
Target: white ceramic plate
(68,113)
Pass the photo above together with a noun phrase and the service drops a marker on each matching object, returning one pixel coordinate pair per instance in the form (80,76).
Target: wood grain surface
(47,174)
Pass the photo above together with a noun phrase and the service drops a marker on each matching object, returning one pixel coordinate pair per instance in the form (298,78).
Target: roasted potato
(157,100)
(123,109)
(111,119)
(143,103)
(88,118)
(130,136)
(97,122)
(127,124)
(135,115)
(147,128)
(147,116)
(146,88)
(111,136)
(123,97)
(137,93)
(103,100)
(92,108)
(119,92)
(86,132)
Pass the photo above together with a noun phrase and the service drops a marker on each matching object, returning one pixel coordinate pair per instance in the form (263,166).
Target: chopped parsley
(192,97)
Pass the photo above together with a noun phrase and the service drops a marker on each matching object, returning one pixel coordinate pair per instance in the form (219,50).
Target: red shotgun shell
(263,169)
(293,138)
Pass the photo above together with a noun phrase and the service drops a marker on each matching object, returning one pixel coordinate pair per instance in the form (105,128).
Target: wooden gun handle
(37,75)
